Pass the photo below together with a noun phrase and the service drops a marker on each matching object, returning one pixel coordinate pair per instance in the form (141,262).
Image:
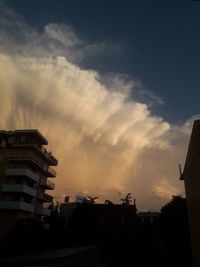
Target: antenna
(180,172)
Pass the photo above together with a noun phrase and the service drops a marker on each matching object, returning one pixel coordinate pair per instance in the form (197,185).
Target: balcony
(28,160)
(47,184)
(49,156)
(43,211)
(22,172)
(17,205)
(50,172)
(50,185)
(42,150)
(45,168)
(19,188)
(45,197)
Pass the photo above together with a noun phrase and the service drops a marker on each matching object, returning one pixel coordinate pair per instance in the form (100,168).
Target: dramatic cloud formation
(106,142)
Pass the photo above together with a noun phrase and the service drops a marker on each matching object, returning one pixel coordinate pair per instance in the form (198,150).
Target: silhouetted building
(93,222)
(24,168)
(150,217)
(191,177)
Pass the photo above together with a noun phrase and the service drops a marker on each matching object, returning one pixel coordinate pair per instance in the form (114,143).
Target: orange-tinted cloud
(106,142)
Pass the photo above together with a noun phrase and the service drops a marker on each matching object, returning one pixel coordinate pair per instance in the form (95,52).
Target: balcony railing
(48,170)
(48,155)
(48,198)
(47,184)
(45,197)
(51,172)
(17,205)
(19,188)
(50,185)
(22,172)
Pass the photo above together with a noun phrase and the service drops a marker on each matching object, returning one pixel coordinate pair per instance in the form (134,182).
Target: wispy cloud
(106,141)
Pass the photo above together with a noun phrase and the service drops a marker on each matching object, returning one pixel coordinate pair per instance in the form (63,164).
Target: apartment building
(25,174)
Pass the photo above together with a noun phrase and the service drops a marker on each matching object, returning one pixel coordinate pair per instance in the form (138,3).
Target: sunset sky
(113,85)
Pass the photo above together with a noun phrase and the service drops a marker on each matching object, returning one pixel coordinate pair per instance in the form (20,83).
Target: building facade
(24,176)
(191,177)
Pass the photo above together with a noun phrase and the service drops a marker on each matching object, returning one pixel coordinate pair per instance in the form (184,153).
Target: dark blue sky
(160,43)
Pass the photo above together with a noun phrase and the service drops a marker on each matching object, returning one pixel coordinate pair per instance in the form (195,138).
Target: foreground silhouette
(128,242)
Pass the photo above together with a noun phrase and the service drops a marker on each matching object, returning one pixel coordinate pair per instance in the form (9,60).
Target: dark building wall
(191,178)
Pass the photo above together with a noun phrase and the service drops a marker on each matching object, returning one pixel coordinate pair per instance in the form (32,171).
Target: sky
(113,85)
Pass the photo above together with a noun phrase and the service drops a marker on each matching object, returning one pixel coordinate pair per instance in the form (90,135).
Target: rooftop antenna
(180,172)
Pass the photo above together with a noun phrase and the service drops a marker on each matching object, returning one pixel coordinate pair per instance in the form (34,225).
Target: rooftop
(26,132)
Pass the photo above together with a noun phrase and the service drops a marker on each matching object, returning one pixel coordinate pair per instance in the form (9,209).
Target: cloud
(106,141)
(63,34)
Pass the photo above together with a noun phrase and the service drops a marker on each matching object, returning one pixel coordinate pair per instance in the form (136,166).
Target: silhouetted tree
(91,200)
(127,200)
(108,202)
(175,207)
(174,231)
